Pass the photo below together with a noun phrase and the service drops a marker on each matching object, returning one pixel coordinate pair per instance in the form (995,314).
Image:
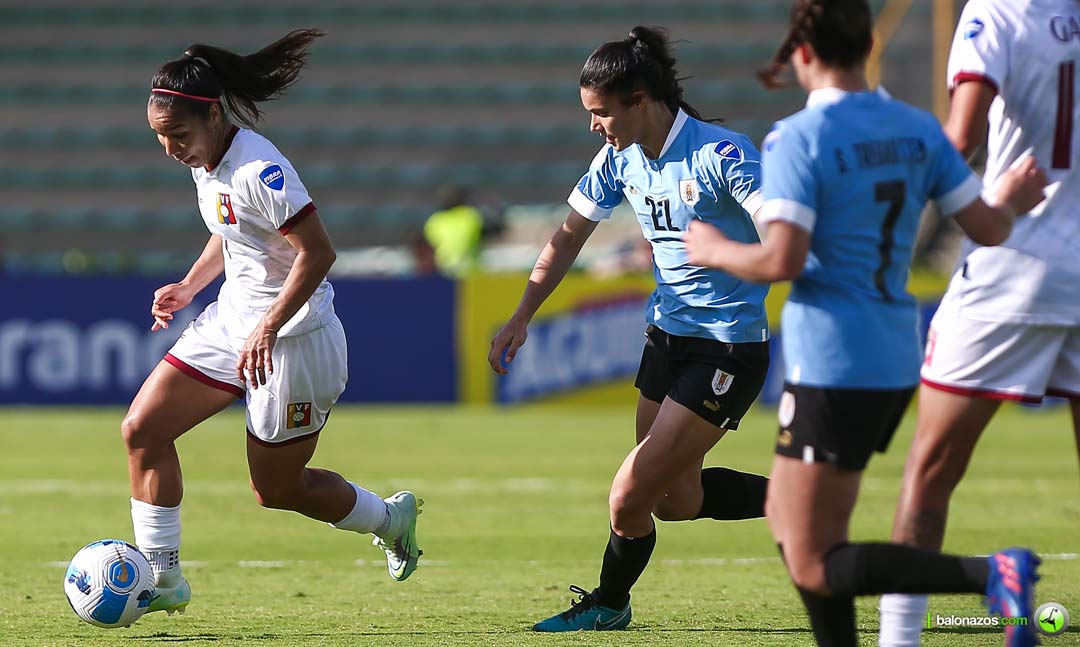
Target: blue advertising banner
(88,340)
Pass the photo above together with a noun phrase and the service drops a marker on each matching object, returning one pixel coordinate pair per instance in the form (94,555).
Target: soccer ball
(109,583)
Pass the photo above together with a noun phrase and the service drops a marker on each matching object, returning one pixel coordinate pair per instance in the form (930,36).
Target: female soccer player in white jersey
(845,180)
(1008,327)
(271,338)
(706,353)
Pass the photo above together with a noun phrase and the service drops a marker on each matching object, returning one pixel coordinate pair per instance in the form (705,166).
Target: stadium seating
(399,99)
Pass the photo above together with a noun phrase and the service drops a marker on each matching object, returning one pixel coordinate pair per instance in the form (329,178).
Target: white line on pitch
(704,561)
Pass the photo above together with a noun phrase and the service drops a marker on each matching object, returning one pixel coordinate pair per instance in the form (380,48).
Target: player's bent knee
(135,432)
(628,510)
(809,576)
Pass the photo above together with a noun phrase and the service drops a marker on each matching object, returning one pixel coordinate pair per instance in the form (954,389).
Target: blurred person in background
(272,337)
(1008,328)
(706,352)
(456,231)
(845,180)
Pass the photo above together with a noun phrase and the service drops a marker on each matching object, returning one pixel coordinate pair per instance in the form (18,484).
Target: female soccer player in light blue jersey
(706,352)
(845,180)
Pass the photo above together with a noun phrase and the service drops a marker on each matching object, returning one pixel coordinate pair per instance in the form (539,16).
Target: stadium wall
(88,340)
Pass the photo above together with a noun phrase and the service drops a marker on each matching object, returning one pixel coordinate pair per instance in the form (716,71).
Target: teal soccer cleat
(402,553)
(1010,593)
(585,614)
(171,599)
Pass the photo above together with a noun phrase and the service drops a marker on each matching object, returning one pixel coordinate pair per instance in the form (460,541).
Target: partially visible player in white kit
(271,338)
(1009,326)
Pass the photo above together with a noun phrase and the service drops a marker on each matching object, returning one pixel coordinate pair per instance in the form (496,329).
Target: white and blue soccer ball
(109,583)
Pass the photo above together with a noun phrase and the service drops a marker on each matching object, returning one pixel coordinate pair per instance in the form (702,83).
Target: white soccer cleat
(402,553)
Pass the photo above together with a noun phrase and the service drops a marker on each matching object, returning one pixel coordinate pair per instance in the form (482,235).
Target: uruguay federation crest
(689,191)
(721,382)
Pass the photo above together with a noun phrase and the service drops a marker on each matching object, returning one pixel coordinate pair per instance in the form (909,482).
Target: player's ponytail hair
(205,75)
(641,61)
(840,31)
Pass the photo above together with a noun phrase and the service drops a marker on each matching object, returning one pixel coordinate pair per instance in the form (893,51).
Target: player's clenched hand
(702,242)
(1021,187)
(507,342)
(256,361)
(167,300)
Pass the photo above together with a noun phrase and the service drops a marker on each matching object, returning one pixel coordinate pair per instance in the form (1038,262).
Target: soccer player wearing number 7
(271,338)
(706,350)
(1008,327)
(844,183)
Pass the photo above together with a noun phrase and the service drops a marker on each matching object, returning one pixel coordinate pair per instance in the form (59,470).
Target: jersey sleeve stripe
(308,209)
(787,211)
(964,77)
(581,203)
(195,373)
(963,195)
(753,202)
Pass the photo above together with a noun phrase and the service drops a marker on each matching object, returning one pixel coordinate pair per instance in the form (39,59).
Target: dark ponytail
(206,75)
(840,31)
(641,61)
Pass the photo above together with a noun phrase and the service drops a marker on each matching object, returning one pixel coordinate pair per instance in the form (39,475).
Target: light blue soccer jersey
(855,170)
(704,171)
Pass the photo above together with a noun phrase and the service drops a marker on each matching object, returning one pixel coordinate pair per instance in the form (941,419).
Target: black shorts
(716,380)
(839,426)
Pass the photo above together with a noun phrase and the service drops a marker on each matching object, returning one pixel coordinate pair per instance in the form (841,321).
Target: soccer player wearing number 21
(1008,327)
(706,349)
(844,183)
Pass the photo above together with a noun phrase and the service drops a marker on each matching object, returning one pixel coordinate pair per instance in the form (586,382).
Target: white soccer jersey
(1028,51)
(251,199)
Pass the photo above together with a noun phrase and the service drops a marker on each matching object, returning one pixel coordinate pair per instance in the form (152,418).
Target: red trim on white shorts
(195,373)
(308,209)
(983,393)
(290,441)
(1061,393)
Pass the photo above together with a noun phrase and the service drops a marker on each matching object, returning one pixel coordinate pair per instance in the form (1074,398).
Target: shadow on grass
(164,636)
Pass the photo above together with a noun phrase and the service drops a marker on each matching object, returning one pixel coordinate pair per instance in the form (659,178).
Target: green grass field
(516,511)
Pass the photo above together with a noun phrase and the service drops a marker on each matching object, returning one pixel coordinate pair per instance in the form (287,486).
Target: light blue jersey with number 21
(705,172)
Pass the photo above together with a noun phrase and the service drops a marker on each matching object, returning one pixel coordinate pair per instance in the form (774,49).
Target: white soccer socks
(157,534)
(369,513)
(902,619)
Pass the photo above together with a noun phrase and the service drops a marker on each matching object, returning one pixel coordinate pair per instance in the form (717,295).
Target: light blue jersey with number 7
(855,169)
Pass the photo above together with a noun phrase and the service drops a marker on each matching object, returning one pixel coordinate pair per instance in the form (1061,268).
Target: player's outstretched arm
(174,296)
(1018,191)
(779,258)
(554,262)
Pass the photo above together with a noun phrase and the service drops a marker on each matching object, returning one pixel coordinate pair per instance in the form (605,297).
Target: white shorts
(310,372)
(1001,361)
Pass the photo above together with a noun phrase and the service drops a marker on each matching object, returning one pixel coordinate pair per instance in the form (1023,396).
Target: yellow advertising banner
(584,344)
